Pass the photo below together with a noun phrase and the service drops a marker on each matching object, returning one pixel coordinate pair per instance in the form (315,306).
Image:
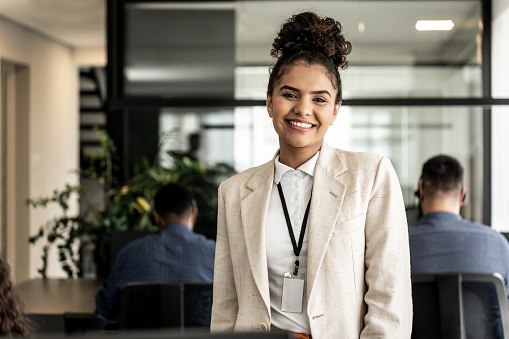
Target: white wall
(53,122)
(91,56)
(500,118)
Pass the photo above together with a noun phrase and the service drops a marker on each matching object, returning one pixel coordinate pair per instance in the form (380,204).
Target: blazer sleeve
(387,260)
(225,304)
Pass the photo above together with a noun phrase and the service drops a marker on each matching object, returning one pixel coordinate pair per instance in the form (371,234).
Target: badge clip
(296,267)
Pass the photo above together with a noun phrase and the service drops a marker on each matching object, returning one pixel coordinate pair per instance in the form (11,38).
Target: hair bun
(310,32)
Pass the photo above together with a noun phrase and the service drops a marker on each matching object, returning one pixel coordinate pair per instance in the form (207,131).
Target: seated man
(174,254)
(442,241)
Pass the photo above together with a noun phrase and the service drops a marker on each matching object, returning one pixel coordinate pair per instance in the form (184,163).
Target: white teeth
(300,124)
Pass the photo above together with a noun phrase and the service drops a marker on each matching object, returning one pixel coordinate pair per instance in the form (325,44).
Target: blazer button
(264,327)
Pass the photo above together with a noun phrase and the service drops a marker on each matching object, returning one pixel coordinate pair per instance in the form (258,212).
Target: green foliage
(125,207)
(63,230)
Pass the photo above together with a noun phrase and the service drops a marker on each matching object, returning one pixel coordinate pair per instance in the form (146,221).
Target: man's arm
(106,300)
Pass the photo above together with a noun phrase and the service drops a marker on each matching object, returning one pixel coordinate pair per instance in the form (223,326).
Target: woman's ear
(268,103)
(335,113)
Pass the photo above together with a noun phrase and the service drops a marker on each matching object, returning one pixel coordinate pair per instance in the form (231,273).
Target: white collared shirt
(297,185)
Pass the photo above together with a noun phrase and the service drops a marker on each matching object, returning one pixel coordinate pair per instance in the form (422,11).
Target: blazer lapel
(328,195)
(253,209)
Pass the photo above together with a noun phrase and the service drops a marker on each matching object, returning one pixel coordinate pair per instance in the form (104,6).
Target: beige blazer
(358,271)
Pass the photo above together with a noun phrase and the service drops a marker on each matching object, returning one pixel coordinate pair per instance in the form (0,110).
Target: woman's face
(302,107)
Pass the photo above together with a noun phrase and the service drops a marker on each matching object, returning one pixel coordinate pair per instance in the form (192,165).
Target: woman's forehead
(303,74)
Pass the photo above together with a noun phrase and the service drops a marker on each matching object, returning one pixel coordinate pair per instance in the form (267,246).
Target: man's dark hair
(442,174)
(173,199)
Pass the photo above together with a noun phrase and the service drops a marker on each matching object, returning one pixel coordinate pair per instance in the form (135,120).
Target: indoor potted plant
(125,207)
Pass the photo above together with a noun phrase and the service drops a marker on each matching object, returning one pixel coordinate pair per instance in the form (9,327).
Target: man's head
(441,186)
(174,203)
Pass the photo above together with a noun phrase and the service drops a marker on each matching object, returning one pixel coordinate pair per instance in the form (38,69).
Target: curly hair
(12,319)
(315,40)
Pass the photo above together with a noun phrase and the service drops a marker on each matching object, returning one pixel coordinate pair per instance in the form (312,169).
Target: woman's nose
(303,107)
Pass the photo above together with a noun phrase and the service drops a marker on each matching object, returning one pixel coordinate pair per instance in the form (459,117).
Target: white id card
(293,293)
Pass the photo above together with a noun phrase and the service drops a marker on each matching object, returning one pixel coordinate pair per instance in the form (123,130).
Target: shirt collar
(437,217)
(308,167)
(172,227)
(441,214)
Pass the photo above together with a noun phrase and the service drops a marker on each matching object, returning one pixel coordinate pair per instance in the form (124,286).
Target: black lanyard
(296,248)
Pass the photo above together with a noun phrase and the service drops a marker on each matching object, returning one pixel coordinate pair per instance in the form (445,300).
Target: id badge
(293,293)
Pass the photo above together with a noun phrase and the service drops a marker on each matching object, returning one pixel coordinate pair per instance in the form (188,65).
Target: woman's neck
(296,156)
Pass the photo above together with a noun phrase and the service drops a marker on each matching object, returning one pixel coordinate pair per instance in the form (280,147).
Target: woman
(315,241)
(12,320)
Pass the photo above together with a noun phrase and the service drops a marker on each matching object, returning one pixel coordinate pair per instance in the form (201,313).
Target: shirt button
(296,197)
(264,327)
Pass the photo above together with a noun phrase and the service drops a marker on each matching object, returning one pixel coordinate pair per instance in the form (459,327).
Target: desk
(59,296)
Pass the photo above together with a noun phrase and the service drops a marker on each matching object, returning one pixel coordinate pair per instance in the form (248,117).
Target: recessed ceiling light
(434,25)
(361,27)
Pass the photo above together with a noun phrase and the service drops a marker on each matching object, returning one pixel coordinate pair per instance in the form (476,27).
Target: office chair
(462,306)
(165,305)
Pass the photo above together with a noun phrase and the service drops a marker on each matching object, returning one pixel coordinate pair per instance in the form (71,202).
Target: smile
(300,124)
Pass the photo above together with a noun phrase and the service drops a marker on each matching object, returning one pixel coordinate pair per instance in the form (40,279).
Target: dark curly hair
(12,319)
(315,40)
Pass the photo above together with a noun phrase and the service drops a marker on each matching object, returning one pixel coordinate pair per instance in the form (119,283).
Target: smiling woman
(348,274)
(302,108)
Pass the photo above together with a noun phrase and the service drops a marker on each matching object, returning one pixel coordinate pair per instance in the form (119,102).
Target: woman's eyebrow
(322,92)
(290,88)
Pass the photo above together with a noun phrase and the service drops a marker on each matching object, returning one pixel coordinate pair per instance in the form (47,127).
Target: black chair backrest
(455,305)
(165,305)
(197,305)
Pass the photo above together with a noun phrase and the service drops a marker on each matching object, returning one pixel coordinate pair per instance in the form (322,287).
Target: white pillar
(500,117)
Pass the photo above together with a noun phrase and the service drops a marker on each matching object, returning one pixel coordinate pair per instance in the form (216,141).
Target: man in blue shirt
(442,241)
(174,254)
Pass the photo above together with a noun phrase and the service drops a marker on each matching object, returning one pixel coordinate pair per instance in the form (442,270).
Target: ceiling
(75,23)
(389,34)
(388,37)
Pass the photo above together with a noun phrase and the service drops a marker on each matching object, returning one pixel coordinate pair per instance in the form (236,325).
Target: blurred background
(190,77)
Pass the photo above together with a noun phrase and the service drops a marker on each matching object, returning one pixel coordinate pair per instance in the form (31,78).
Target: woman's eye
(320,100)
(289,95)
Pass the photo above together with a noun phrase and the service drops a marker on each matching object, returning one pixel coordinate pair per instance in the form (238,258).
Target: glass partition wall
(186,71)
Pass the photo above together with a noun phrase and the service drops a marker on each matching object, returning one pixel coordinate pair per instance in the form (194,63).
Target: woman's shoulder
(248,174)
(358,164)
(360,158)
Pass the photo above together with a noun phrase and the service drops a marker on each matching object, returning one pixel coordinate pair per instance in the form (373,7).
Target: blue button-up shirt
(443,242)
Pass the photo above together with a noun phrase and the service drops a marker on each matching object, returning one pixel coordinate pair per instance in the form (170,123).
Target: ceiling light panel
(434,25)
